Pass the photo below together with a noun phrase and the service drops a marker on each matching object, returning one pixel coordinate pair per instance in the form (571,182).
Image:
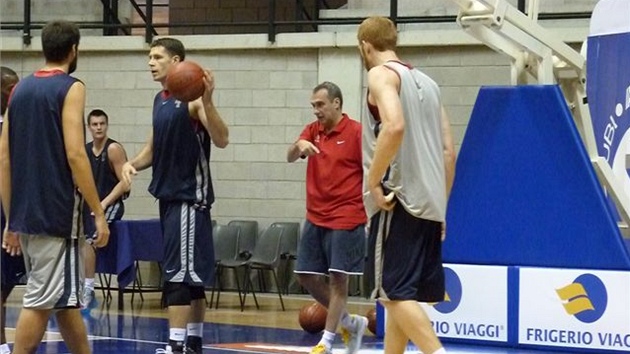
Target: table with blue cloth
(129,241)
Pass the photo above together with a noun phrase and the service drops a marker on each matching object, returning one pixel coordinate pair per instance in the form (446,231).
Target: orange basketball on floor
(371,316)
(184,81)
(313,317)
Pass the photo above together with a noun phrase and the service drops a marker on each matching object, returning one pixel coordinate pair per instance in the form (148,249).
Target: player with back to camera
(333,239)
(42,162)
(12,266)
(178,149)
(107,157)
(407,151)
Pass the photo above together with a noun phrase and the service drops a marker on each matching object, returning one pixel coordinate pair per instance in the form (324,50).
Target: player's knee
(301,278)
(307,280)
(176,294)
(338,279)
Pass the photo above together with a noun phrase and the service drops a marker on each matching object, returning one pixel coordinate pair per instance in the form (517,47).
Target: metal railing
(302,22)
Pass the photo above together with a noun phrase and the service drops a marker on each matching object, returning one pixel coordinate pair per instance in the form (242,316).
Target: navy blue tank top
(181,154)
(104,176)
(43,192)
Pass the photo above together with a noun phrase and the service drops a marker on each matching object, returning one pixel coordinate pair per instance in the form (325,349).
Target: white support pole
(545,69)
(471,6)
(534,49)
(532,10)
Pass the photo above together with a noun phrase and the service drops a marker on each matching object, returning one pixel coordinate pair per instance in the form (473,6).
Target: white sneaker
(165,350)
(4,349)
(352,338)
(169,350)
(89,301)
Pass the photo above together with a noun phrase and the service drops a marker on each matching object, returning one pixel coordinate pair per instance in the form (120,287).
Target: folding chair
(266,256)
(226,240)
(288,249)
(247,237)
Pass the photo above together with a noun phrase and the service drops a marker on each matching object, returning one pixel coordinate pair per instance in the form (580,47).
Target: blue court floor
(111,332)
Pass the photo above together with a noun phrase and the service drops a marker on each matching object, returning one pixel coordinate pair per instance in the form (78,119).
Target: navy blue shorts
(324,250)
(13,271)
(411,255)
(188,247)
(113,213)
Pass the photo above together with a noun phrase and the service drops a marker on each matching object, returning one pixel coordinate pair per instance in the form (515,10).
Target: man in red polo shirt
(333,239)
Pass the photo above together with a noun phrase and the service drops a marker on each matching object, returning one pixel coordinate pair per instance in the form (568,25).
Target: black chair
(226,240)
(288,248)
(247,236)
(266,256)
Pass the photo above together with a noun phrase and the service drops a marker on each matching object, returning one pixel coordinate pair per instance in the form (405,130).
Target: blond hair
(380,32)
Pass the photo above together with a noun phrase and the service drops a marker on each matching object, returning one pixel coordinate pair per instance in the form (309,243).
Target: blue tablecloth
(130,241)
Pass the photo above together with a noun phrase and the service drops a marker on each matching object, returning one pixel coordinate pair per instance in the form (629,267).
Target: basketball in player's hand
(313,317)
(184,80)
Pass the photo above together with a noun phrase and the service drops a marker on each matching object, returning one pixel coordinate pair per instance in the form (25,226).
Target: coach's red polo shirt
(334,177)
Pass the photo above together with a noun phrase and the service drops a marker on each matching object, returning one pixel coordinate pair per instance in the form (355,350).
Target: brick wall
(264,97)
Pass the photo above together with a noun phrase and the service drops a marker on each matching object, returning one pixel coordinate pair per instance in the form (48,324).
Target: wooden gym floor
(141,327)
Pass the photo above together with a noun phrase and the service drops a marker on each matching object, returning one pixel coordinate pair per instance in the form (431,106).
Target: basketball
(313,317)
(184,81)
(371,316)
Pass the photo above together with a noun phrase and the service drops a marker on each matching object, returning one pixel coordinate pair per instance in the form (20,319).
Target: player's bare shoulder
(115,148)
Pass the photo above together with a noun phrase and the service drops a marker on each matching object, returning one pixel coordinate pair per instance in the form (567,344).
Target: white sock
(327,339)
(177,334)
(195,329)
(89,283)
(440,351)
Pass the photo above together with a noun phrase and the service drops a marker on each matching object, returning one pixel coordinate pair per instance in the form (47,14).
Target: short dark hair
(58,37)
(97,113)
(7,73)
(173,46)
(8,79)
(333,91)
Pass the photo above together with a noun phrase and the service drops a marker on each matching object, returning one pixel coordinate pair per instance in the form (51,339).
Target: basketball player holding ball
(178,149)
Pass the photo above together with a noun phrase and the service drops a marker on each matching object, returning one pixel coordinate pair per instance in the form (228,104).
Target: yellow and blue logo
(586,298)
(453,294)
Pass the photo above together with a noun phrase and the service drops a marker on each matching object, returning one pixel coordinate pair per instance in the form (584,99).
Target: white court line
(271,348)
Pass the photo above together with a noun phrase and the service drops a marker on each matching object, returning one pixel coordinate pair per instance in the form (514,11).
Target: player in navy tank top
(178,149)
(107,157)
(184,147)
(12,267)
(42,157)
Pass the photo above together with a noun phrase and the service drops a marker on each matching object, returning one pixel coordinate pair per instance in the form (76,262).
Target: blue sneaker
(89,301)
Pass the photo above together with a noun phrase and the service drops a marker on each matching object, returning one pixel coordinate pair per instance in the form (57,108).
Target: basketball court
(540,208)
(142,328)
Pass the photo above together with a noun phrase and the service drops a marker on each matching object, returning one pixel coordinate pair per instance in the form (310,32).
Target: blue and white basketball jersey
(43,199)
(181,154)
